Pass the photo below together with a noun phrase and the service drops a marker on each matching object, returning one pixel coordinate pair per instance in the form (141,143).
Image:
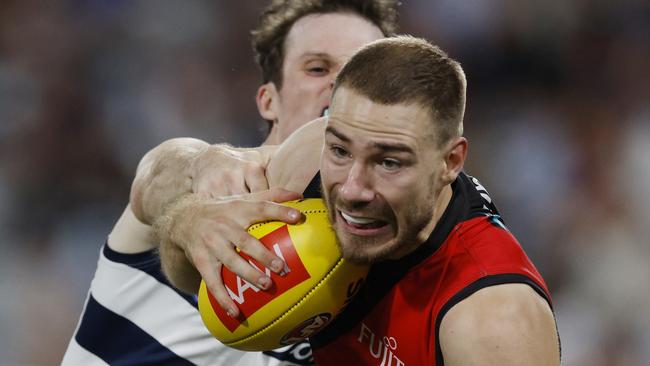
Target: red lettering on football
(249,298)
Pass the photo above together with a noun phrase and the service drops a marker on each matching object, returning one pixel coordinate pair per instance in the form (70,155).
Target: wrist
(170,226)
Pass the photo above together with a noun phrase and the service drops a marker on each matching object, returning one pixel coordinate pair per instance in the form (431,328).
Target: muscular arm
(293,165)
(186,165)
(199,233)
(162,175)
(177,167)
(500,325)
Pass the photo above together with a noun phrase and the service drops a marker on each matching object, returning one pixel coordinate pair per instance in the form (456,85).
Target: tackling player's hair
(277,19)
(411,70)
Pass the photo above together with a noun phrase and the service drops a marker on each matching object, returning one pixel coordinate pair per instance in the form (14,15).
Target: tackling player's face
(382,176)
(316,48)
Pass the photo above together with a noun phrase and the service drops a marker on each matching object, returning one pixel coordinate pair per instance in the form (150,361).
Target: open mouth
(362,223)
(325,112)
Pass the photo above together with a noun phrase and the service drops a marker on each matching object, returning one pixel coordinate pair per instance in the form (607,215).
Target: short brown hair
(406,69)
(278,18)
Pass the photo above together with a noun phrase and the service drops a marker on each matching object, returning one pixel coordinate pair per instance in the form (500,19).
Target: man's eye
(338,151)
(391,164)
(317,71)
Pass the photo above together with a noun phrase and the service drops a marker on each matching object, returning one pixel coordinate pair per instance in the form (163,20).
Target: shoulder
(503,324)
(295,162)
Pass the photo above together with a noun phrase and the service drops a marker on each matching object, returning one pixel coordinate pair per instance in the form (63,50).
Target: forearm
(178,269)
(129,235)
(185,165)
(163,174)
(197,234)
(176,265)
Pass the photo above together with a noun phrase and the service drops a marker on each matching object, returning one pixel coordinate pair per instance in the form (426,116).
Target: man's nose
(357,186)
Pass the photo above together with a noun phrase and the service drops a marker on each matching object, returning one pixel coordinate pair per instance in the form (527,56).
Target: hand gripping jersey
(133,316)
(395,317)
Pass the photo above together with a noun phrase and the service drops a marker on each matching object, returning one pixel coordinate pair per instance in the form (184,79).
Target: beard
(403,238)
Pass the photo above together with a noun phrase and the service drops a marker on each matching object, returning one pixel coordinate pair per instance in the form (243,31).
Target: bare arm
(162,169)
(296,161)
(186,165)
(129,235)
(202,233)
(500,325)
(181,166)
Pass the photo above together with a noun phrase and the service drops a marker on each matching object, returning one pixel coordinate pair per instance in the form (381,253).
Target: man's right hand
(183,165)
(207,232)
(221,171)
(189,168)
(186,167)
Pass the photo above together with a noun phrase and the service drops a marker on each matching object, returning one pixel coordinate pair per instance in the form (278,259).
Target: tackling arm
(180,166)
(162,174)
(200,233)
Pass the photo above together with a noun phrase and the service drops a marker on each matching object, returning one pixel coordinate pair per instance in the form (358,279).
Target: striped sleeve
(133,316)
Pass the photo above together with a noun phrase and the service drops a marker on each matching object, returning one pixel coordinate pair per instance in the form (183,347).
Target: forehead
(361,119)
(338,35)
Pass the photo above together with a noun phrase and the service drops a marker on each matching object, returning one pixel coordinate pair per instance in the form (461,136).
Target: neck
(274,136)
(441,205)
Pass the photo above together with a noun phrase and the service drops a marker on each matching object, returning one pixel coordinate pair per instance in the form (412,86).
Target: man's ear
(454,159)
(267,100)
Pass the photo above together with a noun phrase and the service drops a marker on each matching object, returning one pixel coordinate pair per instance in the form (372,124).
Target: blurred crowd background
(558,121)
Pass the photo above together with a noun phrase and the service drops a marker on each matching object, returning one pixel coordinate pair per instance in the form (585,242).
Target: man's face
(316,48)
(381,174)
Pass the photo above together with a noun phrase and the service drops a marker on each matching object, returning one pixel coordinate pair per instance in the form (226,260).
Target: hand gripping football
(319,285)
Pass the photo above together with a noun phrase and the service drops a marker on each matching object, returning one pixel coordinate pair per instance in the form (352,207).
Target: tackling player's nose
(357,186)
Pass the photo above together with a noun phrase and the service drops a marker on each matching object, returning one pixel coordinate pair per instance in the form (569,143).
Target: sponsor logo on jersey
(249,298)
(382,348)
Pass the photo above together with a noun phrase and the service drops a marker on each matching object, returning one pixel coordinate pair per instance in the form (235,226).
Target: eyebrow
(393,147)
(323,55)
(337,133)
(384,146)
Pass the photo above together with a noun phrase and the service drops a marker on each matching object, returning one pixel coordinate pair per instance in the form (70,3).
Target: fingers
(255,249)
(211,273)
(246,213)
(255,179)
(218,246)
(256,212)
(274,195)
(218,172)
(216,185)
(248,271)
(223,227)
(213,280)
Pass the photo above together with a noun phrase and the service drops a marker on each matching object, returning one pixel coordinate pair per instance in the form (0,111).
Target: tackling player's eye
(317,68)
(317,71)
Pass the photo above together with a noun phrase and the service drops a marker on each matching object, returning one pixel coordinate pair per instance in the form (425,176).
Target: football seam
(303,299)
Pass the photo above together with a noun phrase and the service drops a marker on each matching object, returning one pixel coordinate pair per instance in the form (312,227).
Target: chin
(366,251)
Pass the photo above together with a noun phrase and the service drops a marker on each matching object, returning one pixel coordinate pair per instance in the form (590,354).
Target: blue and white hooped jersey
(133,316)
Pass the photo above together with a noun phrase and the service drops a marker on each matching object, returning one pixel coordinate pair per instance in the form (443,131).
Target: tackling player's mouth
(362,225)
(325,112)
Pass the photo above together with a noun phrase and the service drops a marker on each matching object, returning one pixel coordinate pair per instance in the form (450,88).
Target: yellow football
(319,285)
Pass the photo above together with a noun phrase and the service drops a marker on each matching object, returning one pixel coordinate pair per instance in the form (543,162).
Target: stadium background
(558,120)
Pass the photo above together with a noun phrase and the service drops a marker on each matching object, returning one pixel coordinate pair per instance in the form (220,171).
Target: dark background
(557,118)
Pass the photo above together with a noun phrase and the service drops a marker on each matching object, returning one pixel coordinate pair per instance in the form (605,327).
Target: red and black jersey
(395,317)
